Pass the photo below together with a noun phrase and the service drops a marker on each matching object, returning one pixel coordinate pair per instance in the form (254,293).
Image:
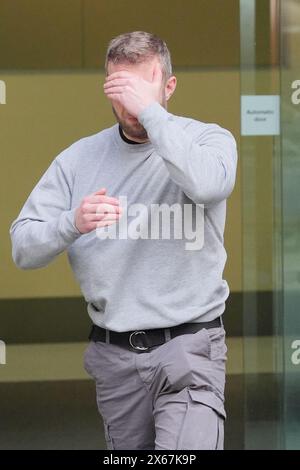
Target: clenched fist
(97,210)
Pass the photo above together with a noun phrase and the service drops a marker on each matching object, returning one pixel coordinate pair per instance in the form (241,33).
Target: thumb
(101,191)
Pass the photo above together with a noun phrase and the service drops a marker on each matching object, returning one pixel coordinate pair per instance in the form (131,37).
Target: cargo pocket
(203,423)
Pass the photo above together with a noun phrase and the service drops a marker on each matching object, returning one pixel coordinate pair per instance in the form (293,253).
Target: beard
(133,128)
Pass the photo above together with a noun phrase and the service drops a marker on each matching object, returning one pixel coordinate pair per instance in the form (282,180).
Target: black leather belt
(143,340)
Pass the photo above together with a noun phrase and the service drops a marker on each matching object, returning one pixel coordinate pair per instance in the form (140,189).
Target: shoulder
(86,144)
(199,129)
(84,147)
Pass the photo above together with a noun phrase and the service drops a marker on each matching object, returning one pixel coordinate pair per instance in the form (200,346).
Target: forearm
(205,170)
(36,243)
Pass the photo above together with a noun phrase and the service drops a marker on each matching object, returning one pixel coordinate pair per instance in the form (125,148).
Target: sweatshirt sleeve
(45,226)
(203,165)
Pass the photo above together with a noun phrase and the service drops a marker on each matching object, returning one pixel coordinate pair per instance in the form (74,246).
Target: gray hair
(137,47)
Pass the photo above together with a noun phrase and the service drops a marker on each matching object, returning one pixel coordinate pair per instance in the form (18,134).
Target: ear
(170,87)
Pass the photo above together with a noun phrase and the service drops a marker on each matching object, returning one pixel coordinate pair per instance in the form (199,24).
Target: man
(157,351)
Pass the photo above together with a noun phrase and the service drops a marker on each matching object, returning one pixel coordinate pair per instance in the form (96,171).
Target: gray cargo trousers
(171,397)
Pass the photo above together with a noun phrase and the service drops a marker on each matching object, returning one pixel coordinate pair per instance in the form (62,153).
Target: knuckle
(84,208)
(90,226)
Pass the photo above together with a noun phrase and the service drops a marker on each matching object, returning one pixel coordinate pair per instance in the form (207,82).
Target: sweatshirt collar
(128,147)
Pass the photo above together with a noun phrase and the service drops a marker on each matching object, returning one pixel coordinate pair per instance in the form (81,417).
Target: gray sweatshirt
(147,275)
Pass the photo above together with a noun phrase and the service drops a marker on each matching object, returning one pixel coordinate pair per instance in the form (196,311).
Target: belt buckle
(134,333)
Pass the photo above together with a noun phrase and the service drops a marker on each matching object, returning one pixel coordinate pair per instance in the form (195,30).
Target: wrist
(147,107)
(75,222)
(153,113)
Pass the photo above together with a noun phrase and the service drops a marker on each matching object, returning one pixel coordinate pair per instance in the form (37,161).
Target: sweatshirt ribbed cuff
(153,115)
(67,227)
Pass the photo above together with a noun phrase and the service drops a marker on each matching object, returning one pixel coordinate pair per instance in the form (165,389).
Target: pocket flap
(208,399)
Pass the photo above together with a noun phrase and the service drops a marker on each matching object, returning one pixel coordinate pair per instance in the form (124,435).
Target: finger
(98,217)
(116,89)
(111,217)
(102,199)
(120,74)
(101,191)
(105,223)
(102,209)
(116,82)
(108,208)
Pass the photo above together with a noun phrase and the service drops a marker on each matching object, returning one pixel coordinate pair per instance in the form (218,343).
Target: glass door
(290,154)
(270,160)
(261,225)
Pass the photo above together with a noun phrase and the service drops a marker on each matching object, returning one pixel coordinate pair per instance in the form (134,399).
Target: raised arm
(202,163)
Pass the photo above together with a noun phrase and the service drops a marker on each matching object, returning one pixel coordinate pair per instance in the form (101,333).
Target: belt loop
(107,336)
(221,320)
(167,334)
